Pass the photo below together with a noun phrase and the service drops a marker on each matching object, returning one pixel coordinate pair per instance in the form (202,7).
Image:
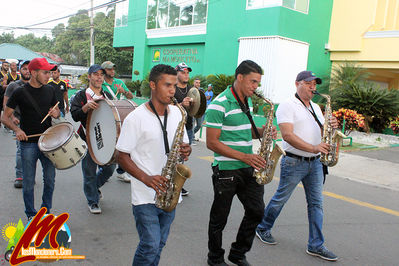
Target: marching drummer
(118,90)
(83,101)
(35,99)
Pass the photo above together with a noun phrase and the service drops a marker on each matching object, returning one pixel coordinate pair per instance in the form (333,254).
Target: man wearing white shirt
(300,121)
(143,153)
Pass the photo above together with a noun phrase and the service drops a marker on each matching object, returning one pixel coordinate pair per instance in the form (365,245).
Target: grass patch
(357,146)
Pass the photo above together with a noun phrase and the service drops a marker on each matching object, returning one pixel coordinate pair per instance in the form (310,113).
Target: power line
(64,17)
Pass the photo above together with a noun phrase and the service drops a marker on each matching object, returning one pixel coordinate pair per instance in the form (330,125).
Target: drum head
(102,133)
(55,136)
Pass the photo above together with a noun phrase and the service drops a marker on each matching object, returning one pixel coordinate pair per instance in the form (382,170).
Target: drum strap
(34,103)
(163,126)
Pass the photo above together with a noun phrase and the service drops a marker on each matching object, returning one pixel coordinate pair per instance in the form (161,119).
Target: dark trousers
(226,184)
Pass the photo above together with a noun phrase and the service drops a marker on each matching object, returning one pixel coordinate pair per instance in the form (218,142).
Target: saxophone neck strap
(311,111)
(163,126)
(245,109)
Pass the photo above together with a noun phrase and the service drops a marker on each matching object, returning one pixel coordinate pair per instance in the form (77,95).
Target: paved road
(356,228)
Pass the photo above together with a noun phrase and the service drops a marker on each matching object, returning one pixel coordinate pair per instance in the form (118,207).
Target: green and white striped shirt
(225,113)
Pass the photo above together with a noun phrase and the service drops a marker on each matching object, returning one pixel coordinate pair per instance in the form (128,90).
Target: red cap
(40,63)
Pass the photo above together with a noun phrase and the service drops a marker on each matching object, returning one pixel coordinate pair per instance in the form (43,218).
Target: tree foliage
(72,41)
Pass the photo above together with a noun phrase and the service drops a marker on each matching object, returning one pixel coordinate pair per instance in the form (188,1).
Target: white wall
(281,59)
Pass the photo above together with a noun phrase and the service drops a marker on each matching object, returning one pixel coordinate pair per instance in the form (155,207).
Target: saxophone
(330,135)
(173,171)
(265,175)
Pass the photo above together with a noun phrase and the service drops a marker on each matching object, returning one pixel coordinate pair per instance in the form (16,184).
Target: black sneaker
(323,253)
(94,208)
(211,263)
(184,192)
(265,236)
(239,262)
(18,182)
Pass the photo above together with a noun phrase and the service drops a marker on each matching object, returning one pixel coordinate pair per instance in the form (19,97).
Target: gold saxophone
(173,171)
(265,175)
(330,135)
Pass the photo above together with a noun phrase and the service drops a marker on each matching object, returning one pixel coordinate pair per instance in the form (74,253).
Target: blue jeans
(190,135)
(30,153)
(198,124)
(293,171)
(153,226)
(18,161)
(93,179)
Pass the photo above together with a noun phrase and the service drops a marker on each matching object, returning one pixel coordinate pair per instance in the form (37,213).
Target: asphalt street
(357,233)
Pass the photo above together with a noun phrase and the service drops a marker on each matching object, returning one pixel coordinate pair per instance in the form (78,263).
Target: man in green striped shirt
(229,134)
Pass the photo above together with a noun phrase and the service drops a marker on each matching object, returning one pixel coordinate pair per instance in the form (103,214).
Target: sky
(27,12)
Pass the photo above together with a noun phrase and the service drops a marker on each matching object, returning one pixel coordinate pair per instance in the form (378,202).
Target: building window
(299,5)
(174,13)
(121,14)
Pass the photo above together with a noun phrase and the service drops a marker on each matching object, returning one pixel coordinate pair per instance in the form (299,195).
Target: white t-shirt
(141,136)
(305,126)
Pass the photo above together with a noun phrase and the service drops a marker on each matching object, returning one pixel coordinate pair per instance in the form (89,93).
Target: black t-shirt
(180,94)
(30,118)
(59,89)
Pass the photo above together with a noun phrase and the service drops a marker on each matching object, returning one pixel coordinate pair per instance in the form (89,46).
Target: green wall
(217,51)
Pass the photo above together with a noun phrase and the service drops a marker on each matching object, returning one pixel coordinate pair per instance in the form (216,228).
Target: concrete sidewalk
(376,172)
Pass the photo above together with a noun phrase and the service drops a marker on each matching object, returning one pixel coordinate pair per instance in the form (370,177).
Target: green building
(214,36)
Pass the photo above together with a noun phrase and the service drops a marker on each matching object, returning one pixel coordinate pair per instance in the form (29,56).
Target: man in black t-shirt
(25,76)
(61,91)
(35,100)
(183,76)
(3,75)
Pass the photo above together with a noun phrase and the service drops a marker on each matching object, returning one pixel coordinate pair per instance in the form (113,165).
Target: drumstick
(37,135)
(49,112)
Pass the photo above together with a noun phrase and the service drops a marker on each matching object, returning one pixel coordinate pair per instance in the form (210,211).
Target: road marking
(337,196)
(361,203)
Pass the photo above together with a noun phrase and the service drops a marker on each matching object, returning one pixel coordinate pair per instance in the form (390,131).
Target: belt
(302,158)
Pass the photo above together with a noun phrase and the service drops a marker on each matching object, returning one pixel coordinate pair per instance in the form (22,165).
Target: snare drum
(62,145)
(103,127)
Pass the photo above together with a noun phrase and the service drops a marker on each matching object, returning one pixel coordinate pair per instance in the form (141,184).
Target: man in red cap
(35,100)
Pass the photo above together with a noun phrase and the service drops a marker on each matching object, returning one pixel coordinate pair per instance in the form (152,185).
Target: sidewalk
(359,168)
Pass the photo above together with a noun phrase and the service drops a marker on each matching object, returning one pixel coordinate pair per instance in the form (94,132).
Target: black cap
(308,76)
(94,68)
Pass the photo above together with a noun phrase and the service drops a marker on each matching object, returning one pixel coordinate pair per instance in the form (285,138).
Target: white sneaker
(124,177)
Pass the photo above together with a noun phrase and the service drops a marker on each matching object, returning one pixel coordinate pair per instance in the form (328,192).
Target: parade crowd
(35,101)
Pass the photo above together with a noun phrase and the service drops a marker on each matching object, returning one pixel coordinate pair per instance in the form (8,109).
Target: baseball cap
(307,76)
(182,66)
(210,84)
(108,65)
(94,68)
(40,63)
(24,63)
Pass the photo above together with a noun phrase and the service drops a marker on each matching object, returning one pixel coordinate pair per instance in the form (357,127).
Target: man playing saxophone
(300,121)
(144,144)
(229,134)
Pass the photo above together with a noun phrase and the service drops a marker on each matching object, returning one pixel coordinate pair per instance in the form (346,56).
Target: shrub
(353,120)
(145,89)
(220,82)
(134,86)
(395,125)
(377,105)
(351,90)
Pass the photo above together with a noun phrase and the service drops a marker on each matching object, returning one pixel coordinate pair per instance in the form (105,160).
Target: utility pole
(91,35)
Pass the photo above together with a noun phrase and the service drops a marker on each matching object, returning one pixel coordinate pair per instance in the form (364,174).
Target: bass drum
(103,128)
(62,145)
